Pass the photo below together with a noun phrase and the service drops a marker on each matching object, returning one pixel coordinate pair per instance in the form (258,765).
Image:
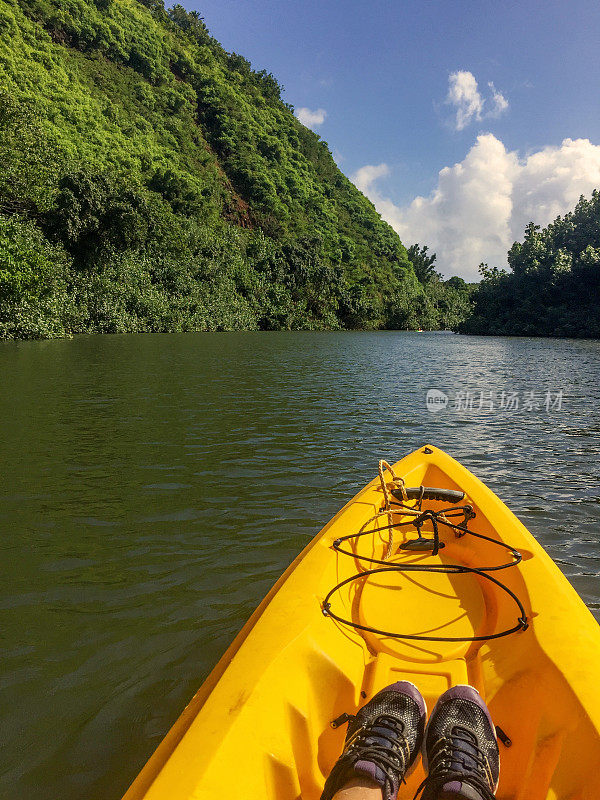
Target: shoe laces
(382,741)
(458,748)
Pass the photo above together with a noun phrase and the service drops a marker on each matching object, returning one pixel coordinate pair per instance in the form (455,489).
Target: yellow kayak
(425,576)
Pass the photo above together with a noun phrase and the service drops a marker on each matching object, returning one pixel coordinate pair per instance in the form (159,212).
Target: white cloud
(365,177)
(311,119)
(464,95)
(469,104)
(481,205)
(551,182)
(498,101)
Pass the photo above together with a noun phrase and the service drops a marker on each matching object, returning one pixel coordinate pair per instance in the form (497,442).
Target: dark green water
(154,487)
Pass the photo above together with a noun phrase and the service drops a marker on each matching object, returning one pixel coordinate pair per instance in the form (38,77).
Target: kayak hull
(262,718)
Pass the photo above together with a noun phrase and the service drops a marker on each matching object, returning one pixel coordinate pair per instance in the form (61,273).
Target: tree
(30,160)
(490,273)
(458,283)
(179,188)
(423,263)
(553,289)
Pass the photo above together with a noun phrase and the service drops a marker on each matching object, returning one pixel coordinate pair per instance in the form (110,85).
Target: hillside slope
(152,181)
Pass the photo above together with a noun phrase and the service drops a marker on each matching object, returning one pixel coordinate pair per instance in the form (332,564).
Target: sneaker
(460,751)
(383,741)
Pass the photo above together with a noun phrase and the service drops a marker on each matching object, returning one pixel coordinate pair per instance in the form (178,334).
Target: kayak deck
(264,715)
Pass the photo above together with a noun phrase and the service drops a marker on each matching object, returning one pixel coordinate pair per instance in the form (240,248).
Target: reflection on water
(154,487)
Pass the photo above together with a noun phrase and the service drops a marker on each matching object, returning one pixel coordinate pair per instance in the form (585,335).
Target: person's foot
(382,742)
(460,750)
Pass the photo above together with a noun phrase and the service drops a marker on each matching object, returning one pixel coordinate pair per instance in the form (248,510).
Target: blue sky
(382,71)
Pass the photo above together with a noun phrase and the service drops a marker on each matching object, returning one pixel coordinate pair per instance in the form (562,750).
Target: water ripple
(156,486)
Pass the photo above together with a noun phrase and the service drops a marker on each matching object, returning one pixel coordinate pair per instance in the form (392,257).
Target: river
(155,486)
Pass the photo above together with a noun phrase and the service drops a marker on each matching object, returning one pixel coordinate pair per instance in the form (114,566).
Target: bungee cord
(419,519)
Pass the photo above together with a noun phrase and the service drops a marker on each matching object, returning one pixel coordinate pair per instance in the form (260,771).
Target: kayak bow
(425,576)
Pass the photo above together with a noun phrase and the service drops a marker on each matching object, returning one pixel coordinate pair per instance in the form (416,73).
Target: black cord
(435,517)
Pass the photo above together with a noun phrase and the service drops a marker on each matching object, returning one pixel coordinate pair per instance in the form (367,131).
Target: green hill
(149,180)
(553,288)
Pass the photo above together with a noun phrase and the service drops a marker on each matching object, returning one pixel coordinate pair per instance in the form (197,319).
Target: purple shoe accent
(453,786)
(409,689)
(462,791)
(370,770)
(465,692)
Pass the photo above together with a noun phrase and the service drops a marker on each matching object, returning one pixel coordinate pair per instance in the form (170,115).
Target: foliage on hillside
(444,304)
(554,286)
(149,180)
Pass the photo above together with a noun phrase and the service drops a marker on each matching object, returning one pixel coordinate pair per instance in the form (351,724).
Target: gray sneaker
(383,741)
(460,751)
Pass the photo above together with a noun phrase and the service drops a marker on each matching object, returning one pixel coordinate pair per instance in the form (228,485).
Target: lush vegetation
(444,304)
(554,286)
(151,181)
